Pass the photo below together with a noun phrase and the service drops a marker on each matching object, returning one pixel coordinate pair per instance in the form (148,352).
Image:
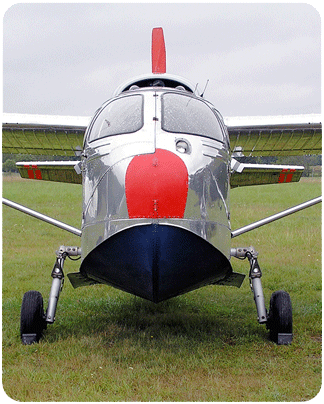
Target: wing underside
(43,135)
(276,135)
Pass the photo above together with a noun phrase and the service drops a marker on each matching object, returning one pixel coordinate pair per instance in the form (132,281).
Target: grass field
(107,345)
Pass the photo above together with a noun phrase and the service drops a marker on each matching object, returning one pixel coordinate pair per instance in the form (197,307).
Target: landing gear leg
(255,279)
(57,286)
(279,318)
(58,280)
(33,320)
(256,286)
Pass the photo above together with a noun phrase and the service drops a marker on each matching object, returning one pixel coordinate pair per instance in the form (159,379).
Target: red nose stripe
(156,186)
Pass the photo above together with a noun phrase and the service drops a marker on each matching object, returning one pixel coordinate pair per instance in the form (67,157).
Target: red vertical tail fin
(158,51)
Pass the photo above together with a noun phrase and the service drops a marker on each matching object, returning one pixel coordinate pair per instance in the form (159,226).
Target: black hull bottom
(156,262)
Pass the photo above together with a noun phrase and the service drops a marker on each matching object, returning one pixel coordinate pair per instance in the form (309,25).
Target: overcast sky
(67,59)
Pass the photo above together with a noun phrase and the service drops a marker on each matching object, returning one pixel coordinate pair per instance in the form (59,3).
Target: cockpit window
(185,114)
(122,115)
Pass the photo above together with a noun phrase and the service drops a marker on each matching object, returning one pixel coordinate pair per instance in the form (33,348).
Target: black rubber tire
(32,318)
(280,315)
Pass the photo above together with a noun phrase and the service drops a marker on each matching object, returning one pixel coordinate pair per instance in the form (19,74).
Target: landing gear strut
(33,320)
(279,318)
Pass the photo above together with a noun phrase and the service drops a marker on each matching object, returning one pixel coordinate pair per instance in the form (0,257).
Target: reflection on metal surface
(111,205)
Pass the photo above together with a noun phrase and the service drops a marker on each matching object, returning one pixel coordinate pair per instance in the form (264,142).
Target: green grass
(107,345)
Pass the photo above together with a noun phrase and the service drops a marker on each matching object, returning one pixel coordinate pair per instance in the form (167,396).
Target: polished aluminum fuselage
(105,164)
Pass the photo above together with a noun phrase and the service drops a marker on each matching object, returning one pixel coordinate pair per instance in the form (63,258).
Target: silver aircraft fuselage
(156,166)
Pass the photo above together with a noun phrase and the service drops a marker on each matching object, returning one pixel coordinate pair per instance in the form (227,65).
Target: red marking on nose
(156,186)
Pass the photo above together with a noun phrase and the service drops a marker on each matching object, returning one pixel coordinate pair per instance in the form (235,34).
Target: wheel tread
(280,315)
(32,315)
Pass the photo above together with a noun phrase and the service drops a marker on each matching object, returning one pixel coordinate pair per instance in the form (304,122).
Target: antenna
(158,51)
(202,94)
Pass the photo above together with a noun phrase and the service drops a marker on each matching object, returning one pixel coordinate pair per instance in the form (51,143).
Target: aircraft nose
(156,186)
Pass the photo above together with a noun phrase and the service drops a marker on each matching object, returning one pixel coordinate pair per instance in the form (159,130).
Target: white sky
(67,59)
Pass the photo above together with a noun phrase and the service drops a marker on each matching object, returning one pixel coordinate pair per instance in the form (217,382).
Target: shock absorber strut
(255,279)
(58,279)
(256,286)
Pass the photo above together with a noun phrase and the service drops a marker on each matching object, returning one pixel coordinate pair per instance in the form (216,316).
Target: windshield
(185,114)
(122,115)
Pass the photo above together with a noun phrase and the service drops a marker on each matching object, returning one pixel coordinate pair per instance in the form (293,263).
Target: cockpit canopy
(119,116)
(181,112)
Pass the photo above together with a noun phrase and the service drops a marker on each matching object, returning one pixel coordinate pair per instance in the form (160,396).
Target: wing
(59,171)
(259,136)
(290,135)
(43,134)
(258,174)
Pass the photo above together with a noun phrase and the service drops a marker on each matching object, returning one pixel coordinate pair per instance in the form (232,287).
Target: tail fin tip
(158,51)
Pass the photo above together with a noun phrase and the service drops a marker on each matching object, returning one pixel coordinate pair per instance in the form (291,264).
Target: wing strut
(277,216)
(40,216)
